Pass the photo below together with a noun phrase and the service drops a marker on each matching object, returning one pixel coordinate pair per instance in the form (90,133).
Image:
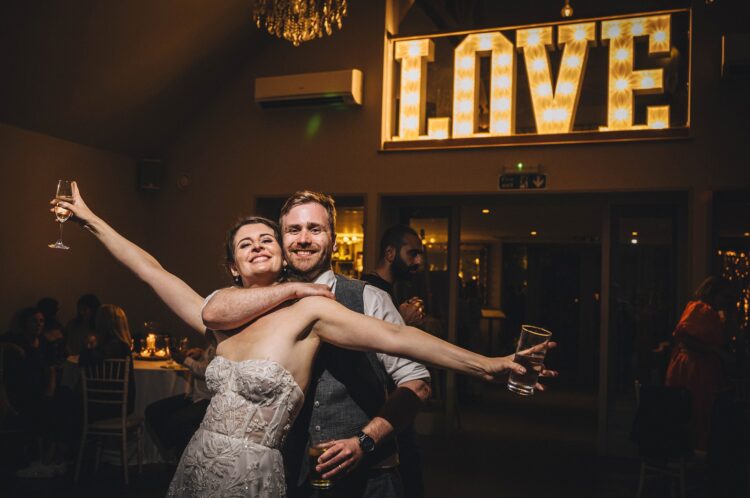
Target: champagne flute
(64,193)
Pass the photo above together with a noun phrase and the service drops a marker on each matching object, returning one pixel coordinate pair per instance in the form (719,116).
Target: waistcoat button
(317,404)
(317,428)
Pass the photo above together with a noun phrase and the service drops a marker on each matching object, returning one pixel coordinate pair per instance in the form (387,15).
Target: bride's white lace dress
(235,452)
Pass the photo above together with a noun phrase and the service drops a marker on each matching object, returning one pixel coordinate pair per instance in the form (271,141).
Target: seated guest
(173,421)
(44,409)
(83,325)
(112,341)
(52,338)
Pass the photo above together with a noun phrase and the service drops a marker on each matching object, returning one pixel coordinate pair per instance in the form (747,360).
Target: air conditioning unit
(331,87)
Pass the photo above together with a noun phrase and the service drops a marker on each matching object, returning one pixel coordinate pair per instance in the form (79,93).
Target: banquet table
(154,380)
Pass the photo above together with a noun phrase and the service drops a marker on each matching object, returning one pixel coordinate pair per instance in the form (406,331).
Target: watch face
(366,443)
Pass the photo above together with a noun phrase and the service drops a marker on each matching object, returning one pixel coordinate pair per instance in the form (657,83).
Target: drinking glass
(316,449)
(64,193)
(532,346)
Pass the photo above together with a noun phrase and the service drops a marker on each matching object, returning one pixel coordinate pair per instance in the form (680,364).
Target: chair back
(105,384)
(662,422)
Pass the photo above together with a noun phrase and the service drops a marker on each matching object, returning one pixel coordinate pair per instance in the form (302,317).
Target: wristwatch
(366,442)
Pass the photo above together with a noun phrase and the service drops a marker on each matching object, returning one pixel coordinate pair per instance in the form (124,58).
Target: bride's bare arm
(233,307)
(175,293)
(338,325)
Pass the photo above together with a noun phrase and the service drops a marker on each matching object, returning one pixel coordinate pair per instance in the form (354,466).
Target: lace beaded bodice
(253,399)
(235,452)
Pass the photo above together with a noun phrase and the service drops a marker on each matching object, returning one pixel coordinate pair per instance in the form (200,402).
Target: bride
(261,372)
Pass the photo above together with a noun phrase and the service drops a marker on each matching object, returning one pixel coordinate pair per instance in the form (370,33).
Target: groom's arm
(413,387)
(233,307)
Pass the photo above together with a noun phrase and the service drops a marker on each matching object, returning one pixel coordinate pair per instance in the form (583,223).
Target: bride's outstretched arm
(337,325)
(175,293)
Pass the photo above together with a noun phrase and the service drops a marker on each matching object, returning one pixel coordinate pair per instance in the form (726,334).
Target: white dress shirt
(378,304)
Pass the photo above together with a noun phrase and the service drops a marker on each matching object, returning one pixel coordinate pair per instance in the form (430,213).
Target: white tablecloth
(152,383)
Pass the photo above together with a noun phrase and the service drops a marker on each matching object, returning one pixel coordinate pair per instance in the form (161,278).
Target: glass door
(646,275)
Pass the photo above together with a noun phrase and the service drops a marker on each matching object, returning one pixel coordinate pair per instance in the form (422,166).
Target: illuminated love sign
(601,79)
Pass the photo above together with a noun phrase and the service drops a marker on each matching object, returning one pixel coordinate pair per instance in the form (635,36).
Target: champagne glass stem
(61,230)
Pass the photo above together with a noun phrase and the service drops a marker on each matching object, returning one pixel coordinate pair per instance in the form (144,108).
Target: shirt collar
(327,278)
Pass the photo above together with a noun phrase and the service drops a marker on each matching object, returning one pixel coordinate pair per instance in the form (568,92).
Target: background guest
(173,421)
(52,338)
(83,325)
(696,362)
(44,408)
(400,259)
(112,341)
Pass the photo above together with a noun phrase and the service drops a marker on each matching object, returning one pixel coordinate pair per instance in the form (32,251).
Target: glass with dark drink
(532,346)
(316,478)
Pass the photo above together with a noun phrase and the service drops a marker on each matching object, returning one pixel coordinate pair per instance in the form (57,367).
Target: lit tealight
(533,233)
(634,241)
(485,211)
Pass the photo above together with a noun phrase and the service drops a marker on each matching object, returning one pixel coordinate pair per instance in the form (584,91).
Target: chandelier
(299,20)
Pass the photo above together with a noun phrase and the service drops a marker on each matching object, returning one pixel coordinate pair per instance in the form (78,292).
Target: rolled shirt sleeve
(378,304)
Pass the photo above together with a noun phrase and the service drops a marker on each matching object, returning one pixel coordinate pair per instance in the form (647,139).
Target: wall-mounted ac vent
(332,87)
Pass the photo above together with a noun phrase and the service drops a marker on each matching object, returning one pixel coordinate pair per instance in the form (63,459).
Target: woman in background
(697,360)
(112,341)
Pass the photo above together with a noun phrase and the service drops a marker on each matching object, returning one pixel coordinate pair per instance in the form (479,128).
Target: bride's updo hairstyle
(232,232)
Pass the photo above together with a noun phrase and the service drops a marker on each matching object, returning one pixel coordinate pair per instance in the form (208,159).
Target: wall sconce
(567,10)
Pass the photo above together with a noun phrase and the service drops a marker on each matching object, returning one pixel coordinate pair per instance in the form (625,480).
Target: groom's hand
(340,457)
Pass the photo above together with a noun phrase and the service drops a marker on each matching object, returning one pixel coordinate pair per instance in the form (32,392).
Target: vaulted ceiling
(119,75)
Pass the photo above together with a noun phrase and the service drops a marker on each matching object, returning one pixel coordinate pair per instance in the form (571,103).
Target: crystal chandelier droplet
(299,20)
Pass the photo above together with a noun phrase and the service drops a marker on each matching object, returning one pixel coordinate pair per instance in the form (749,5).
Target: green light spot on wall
(313,125)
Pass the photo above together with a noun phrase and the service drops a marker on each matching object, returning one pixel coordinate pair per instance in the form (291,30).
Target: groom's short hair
(306,197)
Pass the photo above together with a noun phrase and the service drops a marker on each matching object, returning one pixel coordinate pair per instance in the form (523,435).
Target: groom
(358,400)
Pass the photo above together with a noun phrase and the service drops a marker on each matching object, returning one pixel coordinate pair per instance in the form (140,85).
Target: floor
(507,446)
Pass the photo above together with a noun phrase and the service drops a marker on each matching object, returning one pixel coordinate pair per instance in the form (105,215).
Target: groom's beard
(293,274)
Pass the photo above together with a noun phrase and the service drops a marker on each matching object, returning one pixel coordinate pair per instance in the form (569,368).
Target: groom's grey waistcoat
(348,388)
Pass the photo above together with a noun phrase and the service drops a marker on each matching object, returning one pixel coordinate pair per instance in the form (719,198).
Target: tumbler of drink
(313,453)
(532,346)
